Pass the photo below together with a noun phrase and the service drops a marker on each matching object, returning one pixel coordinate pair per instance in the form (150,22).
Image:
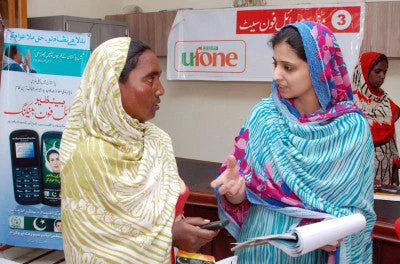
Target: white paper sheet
(307,238)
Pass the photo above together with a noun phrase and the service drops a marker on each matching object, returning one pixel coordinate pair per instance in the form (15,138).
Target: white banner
(232,44)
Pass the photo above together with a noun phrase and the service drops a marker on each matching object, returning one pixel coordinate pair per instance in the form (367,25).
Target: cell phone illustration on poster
(25,161)
(50,143)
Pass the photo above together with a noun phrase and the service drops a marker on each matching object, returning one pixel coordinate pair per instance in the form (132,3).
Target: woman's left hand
(332,248)
(230,183)
(187,235)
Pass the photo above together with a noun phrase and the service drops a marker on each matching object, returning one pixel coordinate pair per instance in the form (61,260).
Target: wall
(202,117)
(392,86)
(100,8)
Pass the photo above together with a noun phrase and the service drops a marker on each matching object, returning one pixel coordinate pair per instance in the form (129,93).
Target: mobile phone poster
(41,71)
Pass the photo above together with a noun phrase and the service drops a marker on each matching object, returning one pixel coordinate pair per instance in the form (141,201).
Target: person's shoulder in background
(13,67)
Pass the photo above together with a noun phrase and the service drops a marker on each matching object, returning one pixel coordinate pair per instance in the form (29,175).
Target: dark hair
(51,151)
(291,36)
(381,58)
(11,51)
(136,49)
(57,221)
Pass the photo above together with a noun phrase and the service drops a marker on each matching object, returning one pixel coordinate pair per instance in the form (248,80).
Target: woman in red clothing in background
(381,112)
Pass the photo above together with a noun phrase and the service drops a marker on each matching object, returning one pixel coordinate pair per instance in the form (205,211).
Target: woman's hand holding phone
(187,235)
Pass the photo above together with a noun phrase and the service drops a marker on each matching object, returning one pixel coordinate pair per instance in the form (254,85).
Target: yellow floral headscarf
(119,176)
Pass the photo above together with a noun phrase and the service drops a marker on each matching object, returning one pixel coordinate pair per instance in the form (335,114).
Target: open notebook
(304,239)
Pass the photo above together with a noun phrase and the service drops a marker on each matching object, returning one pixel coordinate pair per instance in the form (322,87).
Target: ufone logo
(209,58)
(227,56)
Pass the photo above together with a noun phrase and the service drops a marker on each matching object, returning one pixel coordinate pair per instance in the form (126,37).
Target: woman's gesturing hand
(230,183)
(187,235)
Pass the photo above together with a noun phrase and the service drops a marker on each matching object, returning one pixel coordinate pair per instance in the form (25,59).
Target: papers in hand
(307,238)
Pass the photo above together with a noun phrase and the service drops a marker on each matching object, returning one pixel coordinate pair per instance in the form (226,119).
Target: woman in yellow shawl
(120,184)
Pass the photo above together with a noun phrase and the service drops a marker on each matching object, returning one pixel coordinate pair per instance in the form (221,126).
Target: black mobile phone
(215,225)
(51,168)
(25,161)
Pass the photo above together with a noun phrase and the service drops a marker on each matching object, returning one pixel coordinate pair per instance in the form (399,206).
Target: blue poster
(41,71)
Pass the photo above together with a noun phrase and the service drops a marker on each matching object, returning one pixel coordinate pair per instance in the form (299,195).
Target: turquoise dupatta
(309,167)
